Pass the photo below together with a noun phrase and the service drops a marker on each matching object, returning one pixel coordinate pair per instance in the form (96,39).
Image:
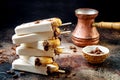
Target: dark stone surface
(15,12)
(3,68)
(76,67)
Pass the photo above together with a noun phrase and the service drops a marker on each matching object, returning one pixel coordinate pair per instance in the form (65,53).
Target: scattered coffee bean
(73,48)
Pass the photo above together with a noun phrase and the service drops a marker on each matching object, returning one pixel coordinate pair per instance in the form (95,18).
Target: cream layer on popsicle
(24,58)
(32,27)
(31,37)
(31,45)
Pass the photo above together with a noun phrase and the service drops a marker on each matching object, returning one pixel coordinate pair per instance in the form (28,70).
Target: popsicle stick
(65,32)
(61,71)
(65,24)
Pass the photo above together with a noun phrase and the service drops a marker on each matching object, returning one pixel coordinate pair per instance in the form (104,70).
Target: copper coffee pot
(84,33)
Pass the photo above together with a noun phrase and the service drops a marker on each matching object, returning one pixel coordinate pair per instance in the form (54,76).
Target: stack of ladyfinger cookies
(39,43)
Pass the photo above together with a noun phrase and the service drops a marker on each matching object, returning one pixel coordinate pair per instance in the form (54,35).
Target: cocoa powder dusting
(2,50)
(8,54)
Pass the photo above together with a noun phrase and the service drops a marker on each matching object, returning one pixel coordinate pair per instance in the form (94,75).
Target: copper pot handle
(108,25)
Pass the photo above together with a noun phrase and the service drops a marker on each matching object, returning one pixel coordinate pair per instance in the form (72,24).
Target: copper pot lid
(86,11)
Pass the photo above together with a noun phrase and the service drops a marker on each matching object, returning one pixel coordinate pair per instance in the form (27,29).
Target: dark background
(15,12)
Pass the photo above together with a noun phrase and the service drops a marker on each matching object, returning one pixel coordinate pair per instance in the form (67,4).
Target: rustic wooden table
(76,67)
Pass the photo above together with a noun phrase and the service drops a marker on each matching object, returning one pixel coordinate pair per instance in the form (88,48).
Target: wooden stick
(65,24)
(108,25)
(61,71)
(65,32)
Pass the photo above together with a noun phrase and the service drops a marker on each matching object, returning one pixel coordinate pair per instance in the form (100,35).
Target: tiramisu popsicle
(33,37)
(21,65)
(22,50)
(44,25)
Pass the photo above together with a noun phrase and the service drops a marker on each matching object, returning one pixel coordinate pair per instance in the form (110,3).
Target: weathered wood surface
(76,67)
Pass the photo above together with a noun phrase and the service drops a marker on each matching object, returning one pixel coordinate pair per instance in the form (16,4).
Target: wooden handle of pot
(108,25)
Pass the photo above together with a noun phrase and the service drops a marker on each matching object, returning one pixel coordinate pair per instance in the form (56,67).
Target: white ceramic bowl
(95,58)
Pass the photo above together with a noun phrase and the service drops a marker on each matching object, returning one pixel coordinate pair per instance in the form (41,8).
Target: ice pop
(22,50)
(31,37)
(21,65)
(44,25)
